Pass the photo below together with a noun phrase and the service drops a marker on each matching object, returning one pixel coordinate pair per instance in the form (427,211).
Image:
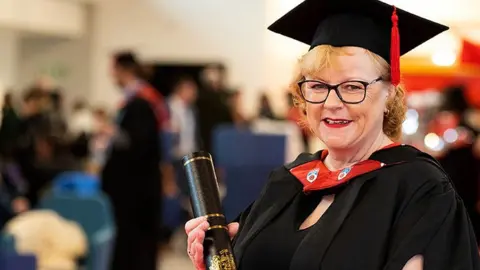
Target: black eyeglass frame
(335,88)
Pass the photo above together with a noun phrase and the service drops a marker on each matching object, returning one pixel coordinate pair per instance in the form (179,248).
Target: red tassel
(395,50)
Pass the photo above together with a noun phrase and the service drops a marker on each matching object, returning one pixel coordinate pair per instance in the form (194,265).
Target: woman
(365,202)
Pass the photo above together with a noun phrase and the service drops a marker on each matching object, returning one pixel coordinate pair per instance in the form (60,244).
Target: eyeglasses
(350,92)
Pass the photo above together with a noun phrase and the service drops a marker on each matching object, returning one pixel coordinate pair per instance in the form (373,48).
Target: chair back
(94,214)
(246,160)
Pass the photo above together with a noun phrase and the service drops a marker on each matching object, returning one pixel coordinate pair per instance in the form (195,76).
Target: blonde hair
(320,57)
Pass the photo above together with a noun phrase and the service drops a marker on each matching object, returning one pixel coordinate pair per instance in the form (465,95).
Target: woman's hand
(195,229)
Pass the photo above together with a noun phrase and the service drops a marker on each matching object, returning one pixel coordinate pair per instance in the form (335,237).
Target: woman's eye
(352,86)
(318,86)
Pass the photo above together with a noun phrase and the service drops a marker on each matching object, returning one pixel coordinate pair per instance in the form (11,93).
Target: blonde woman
(366,202)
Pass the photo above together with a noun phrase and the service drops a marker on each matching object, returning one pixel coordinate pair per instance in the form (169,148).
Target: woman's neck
(339,159)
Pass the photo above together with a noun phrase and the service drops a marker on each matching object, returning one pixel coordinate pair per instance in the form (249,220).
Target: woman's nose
(333,100)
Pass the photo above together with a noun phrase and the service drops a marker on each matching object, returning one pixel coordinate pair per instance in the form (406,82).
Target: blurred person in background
(101,118)
(266,111)
(56,113)
(52,105)
(31,145)
(184,126)
(212,103)
(81,119)
(81,125)
(460,159)
(10,124)
(131,172)
(214,77)
(97,144)
(235,105)
(41,151)
(13,186)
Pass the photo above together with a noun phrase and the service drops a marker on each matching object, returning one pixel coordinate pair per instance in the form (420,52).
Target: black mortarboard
(368,24)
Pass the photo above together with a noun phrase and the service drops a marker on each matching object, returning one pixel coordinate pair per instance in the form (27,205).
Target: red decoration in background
(415,83)
(470,53)
(469,60)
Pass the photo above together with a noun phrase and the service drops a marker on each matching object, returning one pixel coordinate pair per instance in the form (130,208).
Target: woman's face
(342,126)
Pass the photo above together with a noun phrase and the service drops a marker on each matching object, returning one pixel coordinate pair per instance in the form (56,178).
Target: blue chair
(247,160)
(235,147)
(94,214)
(78,183)
(7,243)
(10,260)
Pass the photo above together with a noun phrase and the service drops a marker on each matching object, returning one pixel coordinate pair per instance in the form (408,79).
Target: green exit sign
(56,71)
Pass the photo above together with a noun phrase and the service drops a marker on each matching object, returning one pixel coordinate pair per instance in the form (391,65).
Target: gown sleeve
(434,224)
(241,218)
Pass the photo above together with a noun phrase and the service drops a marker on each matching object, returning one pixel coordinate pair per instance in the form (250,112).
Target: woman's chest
(347,235)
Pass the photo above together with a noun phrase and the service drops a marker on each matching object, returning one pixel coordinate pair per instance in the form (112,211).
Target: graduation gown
(464,170)
(378,220)
(131,177)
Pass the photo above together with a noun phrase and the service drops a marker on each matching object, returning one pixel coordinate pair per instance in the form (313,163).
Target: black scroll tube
(205,198)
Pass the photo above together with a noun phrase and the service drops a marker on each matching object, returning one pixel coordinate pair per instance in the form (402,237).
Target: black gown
(379,220)
(282,237)
(131,177)
(463,167)
(464,170)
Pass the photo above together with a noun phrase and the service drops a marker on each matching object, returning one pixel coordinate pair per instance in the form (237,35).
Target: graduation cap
(369,24)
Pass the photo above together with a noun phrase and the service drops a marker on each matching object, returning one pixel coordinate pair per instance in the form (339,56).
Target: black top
(281,238)
(379,220)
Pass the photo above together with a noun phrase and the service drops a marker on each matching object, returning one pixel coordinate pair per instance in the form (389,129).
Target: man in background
(131,174)
(213,103)
(184,126)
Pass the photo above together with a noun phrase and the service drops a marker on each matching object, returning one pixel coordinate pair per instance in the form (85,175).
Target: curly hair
(320,57)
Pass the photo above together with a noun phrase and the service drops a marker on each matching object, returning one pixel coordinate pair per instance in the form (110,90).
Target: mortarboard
(369,24)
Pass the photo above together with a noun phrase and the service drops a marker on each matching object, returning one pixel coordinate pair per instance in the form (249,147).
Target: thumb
(233,229)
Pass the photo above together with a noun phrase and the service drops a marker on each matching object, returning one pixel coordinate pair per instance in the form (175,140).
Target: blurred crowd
(41,138)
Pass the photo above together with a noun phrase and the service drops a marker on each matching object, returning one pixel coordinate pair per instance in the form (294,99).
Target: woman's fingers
(193,223)
(233,229)
(198,256)
(196,229)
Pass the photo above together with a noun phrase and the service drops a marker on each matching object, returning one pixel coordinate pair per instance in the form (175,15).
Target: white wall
(231,31)
(182,30)
(9,57)
(57,17)
(67,59)
(281,54)
(189,31)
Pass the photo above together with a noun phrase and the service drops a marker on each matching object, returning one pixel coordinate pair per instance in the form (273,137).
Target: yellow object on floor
(56,242)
